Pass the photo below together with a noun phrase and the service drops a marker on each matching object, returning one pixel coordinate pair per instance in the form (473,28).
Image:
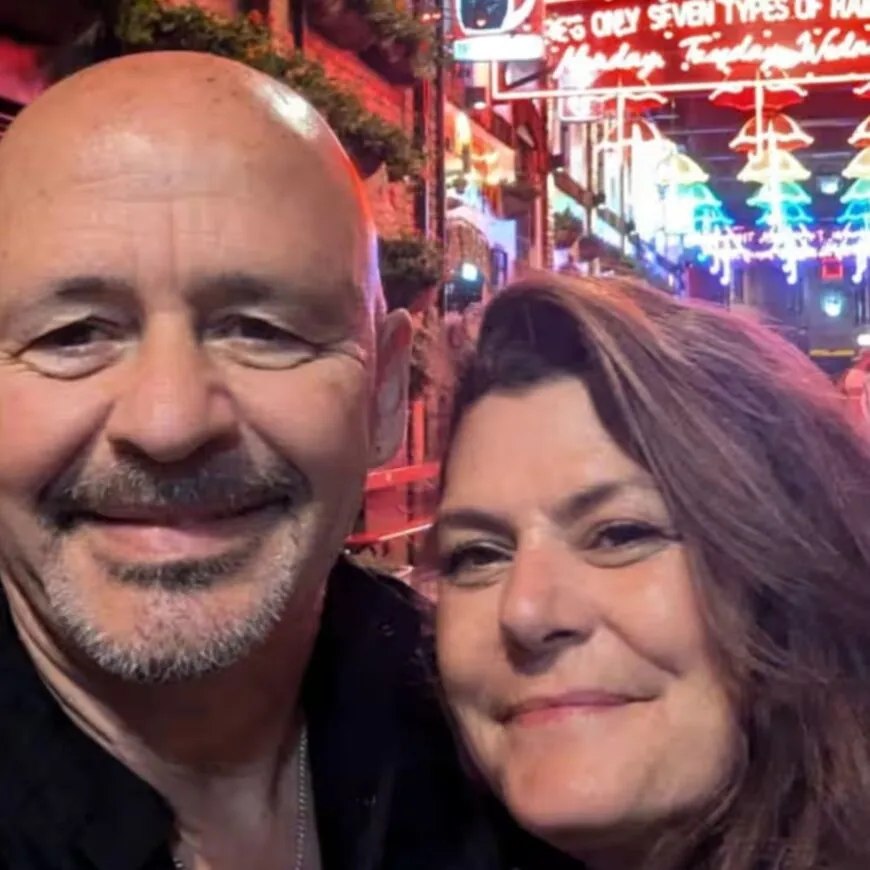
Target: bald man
(196,372)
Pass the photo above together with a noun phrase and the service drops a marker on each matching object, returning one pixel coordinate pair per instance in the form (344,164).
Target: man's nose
(545,605)
(173,402)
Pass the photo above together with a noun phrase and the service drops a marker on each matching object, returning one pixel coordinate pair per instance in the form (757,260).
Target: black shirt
(389,791)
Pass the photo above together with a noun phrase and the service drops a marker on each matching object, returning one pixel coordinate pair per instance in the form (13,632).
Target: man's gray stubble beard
(174,658)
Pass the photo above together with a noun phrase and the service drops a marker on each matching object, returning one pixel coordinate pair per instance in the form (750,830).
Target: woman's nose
(545,604)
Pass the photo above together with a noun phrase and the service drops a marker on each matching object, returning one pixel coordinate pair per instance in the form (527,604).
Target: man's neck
(197,742)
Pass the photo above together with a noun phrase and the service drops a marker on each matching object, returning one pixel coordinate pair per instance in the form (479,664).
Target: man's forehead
(327,309)
(230,183)
(240,238)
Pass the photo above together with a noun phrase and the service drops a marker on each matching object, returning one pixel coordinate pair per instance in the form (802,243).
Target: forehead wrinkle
(151,167)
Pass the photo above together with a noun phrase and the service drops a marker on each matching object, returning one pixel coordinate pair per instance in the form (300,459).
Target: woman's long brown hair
(769,483)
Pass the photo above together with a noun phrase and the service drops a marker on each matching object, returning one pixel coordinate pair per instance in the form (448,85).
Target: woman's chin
(576,813)
(561,824)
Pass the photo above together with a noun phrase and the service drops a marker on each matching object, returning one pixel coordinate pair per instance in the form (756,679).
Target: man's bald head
(188,286)
(206,118)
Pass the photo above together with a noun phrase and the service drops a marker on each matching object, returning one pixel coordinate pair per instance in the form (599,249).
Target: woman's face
(570,641)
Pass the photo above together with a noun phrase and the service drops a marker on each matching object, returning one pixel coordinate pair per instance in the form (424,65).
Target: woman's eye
(619,535)
(469,559)
(619,544)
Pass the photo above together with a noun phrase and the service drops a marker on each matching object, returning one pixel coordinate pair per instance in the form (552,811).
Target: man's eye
(255,329)
(74,336)
(75,349)
(259,343)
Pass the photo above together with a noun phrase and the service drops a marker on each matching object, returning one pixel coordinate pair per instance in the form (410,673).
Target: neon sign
(680,45)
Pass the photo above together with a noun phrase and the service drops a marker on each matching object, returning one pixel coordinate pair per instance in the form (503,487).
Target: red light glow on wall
(21,78)
(832,270)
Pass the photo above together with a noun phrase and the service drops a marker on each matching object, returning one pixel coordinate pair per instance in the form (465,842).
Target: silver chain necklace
(301,808)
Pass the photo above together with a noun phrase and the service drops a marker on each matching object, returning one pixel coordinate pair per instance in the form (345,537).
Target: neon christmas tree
(685,191)
(693,212)
(781,200)
(780,197)
(855,217)
(768,138)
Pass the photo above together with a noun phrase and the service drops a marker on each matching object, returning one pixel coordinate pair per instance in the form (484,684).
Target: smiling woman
(654,614)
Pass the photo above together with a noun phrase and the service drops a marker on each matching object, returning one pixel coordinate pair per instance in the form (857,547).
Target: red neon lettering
(675,41)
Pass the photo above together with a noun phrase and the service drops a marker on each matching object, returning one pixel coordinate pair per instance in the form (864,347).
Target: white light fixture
(829,185)
(833,304)
(469,272)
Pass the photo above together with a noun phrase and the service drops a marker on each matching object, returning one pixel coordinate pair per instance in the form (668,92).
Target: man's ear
(390,413)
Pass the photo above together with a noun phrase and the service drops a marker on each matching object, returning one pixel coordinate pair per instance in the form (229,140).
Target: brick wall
(392,203)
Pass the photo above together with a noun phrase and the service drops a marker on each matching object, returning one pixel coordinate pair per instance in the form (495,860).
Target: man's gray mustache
(226,488)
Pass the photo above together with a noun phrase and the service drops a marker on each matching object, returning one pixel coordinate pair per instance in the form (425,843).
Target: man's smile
(160,534)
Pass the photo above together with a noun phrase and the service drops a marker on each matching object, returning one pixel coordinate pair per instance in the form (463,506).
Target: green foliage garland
(567,228)
(395,24)
(410,265)
(148,25)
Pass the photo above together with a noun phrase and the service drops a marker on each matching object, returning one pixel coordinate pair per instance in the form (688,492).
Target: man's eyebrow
(76,289)
(331,310)
(321,306)
(236,288)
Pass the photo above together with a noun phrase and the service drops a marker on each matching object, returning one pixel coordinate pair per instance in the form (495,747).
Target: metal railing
(416,522)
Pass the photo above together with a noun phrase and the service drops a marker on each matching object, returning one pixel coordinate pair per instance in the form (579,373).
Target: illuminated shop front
(481,240)
(615,184)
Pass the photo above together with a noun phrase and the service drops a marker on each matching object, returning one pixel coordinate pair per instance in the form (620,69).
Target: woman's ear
(390,413)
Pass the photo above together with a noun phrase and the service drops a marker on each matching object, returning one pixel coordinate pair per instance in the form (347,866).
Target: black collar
(65,803)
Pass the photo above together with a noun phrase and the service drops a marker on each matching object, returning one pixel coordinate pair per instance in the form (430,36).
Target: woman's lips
(546,709)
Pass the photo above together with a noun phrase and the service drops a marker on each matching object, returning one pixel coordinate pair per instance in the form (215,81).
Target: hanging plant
(567,228)
(425,345)
(406,44)
(411,269)
(152,25)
